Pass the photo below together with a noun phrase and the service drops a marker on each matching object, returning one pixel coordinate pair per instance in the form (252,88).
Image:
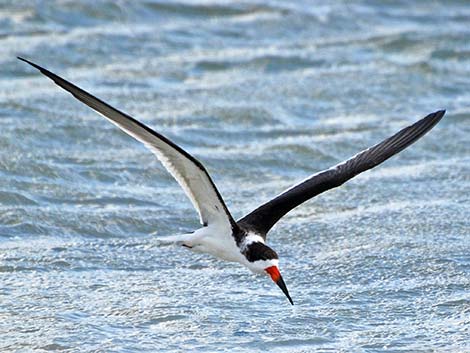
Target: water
(264,93)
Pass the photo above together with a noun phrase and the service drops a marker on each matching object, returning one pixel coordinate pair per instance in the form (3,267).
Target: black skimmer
(242,241)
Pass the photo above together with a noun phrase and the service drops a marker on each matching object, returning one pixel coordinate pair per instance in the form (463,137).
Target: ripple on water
(15,199)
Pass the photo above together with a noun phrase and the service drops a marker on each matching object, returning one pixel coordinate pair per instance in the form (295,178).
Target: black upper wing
(265,216)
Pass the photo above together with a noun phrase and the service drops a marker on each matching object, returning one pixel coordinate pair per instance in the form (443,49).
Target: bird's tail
(179,239)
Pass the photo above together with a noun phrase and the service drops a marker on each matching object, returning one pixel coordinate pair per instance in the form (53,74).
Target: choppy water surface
(264,93)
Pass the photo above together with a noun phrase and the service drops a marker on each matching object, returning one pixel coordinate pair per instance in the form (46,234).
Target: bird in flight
(244,240)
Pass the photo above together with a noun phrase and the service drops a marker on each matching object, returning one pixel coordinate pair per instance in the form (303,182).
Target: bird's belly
(224,250)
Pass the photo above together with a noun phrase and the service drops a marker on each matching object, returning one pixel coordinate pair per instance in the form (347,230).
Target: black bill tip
(282,285)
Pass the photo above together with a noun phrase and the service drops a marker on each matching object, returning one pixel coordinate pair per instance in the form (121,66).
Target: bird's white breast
(218,242)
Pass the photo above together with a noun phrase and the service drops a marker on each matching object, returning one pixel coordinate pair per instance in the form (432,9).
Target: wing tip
(36,66)
(437,115)
(431,119)
(27,61)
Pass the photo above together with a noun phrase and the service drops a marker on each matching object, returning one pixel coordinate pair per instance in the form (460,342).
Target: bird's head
(264,260)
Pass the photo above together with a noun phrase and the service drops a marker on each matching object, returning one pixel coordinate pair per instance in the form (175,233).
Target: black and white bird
(242,241)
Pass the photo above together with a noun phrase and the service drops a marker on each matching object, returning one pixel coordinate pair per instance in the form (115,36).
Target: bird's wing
(187,170)
(266,215)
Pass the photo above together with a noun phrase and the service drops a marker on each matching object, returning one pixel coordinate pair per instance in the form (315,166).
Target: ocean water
(264,93)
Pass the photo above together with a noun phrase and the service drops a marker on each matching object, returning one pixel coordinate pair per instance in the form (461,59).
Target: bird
(244,240)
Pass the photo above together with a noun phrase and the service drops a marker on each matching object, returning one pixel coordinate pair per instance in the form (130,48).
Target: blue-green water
(264,93)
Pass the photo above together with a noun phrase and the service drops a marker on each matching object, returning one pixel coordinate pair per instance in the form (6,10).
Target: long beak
(273,271)
(282,285)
